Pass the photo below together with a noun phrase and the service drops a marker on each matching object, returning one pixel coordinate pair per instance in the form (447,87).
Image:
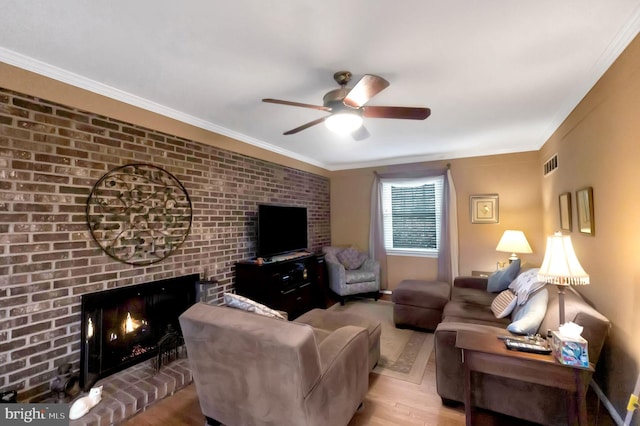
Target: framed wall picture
(484,208)
(565,211)
(584,207)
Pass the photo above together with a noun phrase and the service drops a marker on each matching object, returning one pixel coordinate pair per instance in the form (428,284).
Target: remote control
(526,347)
(534,340)
(514,338)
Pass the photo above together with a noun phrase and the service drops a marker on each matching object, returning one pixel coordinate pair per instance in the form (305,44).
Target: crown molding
(30,64)
(617,45)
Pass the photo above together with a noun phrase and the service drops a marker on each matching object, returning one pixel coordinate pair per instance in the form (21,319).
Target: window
(411,211)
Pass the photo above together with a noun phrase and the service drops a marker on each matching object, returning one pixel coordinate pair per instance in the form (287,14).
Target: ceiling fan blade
(360,133)
(305,126)
(365,89)
(298,104)
(407,113)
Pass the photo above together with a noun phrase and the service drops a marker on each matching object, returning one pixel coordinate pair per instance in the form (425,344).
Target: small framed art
(484,208)
(584,206)
(565,211)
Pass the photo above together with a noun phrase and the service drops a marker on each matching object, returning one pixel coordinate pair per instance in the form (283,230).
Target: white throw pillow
(245,304)
(528,317)
(525,284)
(503,304)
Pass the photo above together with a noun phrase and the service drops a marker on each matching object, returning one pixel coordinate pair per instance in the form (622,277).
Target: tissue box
(569,350)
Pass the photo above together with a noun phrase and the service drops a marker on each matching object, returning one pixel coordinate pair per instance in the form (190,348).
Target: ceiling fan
(348,106)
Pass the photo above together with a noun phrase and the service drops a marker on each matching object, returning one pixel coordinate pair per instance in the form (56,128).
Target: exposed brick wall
(50,158)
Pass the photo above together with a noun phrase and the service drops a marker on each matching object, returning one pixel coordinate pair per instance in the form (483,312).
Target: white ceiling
(498,75)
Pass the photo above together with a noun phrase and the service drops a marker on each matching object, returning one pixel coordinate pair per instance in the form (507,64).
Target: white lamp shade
(560,265)
(514,242)
(343,122)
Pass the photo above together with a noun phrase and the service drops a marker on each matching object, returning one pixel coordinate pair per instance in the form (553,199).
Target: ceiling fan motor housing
(334,98)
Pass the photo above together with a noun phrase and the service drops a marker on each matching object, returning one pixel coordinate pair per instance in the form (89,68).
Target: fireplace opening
(124,326)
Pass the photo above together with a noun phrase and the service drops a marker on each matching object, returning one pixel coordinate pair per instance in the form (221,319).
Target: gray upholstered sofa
(254,370)
(469,309)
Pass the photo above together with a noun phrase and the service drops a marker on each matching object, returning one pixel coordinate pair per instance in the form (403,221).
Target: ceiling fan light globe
(343,123)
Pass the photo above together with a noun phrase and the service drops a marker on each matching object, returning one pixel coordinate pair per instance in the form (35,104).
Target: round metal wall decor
(139,214)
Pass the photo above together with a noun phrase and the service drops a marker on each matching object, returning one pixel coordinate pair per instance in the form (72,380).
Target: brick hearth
(132,390)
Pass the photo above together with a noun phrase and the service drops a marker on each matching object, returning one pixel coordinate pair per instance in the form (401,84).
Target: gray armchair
(254,370)
(363,281)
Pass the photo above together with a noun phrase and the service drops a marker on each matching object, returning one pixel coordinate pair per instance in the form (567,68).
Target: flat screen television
(281,229)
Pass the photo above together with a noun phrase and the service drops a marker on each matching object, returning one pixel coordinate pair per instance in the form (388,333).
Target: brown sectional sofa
(469,309)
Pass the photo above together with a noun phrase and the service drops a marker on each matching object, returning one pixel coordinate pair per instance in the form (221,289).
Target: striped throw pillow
(504,303)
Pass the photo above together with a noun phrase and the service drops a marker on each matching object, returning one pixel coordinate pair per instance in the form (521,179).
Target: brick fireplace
(50,158)
(127,325)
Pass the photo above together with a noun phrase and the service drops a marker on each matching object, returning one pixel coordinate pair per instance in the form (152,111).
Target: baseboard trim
(608,405)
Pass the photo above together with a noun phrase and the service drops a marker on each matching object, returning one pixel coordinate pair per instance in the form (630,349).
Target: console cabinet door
(291,286)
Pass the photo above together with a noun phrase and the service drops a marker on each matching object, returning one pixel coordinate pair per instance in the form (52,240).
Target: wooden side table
(487,354)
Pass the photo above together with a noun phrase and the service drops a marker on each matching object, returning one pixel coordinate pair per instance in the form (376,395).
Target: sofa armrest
(595,331)
(337,275)
(340,342)
(449,371)
(345,376)
(335,268)
(479,283)
(372,265)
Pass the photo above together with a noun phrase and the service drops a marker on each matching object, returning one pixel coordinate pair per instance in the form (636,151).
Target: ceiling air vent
(551,164)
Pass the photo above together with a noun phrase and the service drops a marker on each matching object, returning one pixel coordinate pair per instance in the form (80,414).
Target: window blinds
(411,215)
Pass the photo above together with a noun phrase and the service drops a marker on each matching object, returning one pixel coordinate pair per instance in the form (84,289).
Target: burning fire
(131,324)
(90,329)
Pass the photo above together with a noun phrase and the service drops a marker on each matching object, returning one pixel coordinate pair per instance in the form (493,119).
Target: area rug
(403,353)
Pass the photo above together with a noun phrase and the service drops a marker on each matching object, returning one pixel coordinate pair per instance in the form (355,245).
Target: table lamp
(561,267)
(514,242)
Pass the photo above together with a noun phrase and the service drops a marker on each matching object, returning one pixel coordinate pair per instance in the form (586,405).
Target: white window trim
(386,184)
(413,252)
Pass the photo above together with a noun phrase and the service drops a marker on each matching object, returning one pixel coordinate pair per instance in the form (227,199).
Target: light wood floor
(389,402)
